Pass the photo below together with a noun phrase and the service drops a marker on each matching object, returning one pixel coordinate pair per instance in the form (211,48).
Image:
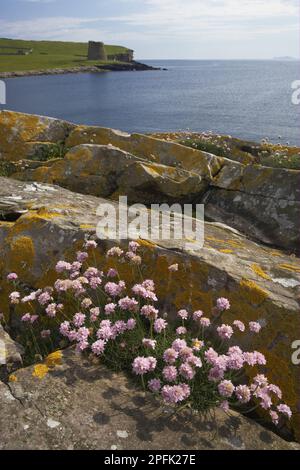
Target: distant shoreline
(113,67)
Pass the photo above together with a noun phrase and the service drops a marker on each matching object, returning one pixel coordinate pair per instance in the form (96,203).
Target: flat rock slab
(81,405)
(43,224)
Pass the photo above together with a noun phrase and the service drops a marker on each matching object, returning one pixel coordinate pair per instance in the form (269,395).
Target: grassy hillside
(46,54)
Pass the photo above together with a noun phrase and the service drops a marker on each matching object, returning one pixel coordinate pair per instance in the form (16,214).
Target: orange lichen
(259,271)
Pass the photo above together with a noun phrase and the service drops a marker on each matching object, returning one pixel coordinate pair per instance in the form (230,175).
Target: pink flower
(274,416)
(119,328)
(62,266)
(205,322)
(114,289)
(110,308)
(181,330)
(112,272)
(131,324)
(64,328)
(175,393)
(235,361)
(194,361)
(160,325)
(223,304)
(285,410)
(260,380)
(75,267)
(226,388)
(128,304)
(211,356)
(115,251)
(225,331)
(141,365)
(45,334)
(51,310)
(197,315)
(224,405)
(94,313)
(144,292)
(14,297)
(95,282)
(149,343)
(105,332)
(179,344)
(149,312)
(83,333)
(183,314)
(197,344)
(90,244)
(154,385)
(82,256)
(98,347)
(78,319)
(34,318)
(239,324)
(170,355)
(170,373)
(186,371)
(91,272)
(82,345)
(243,393)
(26,318)
(12,277)
(86,303)
(133,246)
(185,353)
(254,327)
(215,374)
(173,268)
(44,298)
(276,390)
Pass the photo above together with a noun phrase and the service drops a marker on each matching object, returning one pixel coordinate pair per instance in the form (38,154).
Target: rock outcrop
(10,354)
(42,408)
(261,202)
(42,224)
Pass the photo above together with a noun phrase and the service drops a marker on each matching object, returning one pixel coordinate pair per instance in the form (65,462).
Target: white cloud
(52,28)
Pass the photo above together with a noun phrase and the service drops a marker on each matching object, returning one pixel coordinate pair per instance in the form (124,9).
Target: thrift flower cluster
(94,309)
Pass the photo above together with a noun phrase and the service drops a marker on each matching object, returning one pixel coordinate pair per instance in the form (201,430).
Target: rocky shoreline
(113,67)
(54,176)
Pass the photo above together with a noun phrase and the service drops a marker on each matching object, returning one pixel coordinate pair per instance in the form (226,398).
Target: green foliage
(6,168)
(50,152)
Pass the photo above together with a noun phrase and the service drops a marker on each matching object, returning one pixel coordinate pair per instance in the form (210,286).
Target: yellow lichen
(40,370)
(226,251)
(252,292)
(54,359)
(290,267)
(259,271)
(21,254)
(12,378)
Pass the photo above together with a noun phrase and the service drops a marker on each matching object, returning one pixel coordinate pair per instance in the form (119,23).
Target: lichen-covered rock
(49,412)
(260,282)
(10,354)
(19,133)
(259,201)
(106,171)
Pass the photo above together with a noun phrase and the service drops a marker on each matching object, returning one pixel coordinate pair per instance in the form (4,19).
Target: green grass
(47,55)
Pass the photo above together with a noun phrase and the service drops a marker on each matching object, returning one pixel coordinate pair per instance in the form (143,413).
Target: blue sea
(246,99)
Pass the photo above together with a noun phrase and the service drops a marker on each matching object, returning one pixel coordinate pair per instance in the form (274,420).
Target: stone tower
(96,51)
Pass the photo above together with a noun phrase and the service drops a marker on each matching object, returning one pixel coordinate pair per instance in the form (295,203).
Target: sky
(163,29)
